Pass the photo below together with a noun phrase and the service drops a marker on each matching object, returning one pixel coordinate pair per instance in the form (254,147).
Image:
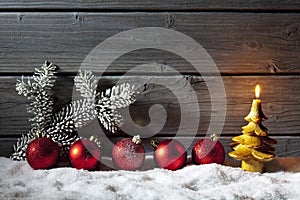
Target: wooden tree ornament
(253,147)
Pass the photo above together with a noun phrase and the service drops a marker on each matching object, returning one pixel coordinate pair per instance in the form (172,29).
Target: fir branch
(108,101)
(72,116)
(86,84)
(38,91)
(64,124)
(61,127)
(21,146)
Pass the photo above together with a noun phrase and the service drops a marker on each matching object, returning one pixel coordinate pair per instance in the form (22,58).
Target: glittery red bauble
(170,154)
(84,154)
(207,151)
(42,153)
(127,155)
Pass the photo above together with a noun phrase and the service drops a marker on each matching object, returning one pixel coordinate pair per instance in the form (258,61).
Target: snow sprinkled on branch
(108,101)
(38,91)
(62,126)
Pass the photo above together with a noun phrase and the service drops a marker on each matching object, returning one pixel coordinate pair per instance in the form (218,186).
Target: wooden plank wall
(250,41)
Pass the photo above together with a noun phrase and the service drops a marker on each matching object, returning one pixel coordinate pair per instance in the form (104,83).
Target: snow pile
(19,181)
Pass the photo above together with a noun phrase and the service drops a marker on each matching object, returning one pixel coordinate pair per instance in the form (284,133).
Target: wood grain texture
(152,4)
(239,43)
(287,146)
(248,48)
(6,146)
(280,97)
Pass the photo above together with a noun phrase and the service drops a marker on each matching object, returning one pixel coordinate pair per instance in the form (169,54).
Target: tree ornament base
(252,165)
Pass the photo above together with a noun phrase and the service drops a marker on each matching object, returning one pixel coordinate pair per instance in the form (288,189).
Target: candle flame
(257,91)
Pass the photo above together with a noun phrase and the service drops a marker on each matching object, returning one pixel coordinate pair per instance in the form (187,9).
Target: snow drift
(19,181)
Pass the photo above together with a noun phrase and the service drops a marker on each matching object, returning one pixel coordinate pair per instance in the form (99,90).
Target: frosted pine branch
(72,116)
(21,146)
(86,84)
(62,126)
(61,129)
(80,112)
(108,101)
(38,91)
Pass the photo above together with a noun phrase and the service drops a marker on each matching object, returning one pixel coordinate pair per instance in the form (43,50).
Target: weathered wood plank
(6,146)
(152,4)
(256,43)
(287,146)
(280,96)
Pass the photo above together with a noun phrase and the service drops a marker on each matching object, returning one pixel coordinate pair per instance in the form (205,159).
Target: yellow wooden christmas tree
(253,147)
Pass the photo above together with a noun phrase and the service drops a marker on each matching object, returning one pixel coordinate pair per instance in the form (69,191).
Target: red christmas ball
(84,154)
(42,153)
(208,150)
(128,153)
(170,154)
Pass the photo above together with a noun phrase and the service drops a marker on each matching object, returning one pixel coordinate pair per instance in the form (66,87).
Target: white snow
(19,181)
